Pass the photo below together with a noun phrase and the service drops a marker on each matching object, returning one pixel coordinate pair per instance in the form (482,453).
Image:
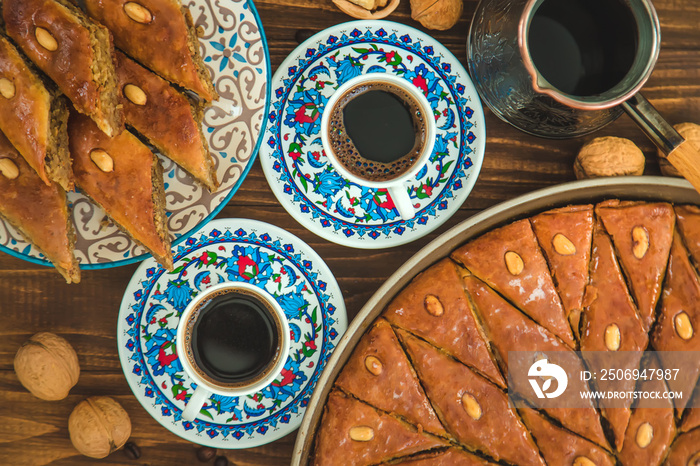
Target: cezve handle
(682,154)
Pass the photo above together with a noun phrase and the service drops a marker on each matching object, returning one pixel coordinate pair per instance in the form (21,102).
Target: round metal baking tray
(578,192)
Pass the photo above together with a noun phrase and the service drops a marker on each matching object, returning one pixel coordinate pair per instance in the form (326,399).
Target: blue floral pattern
(296,165)
(230,250)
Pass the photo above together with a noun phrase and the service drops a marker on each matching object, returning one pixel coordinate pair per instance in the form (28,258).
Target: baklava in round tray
(592,266)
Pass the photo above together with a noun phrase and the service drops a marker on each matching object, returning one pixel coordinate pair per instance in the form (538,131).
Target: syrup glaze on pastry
(510,261)
(34,118)
(123,176)
(147,98)
(161,36)
(39,212)
(76,53)
(428,316)
(358,434)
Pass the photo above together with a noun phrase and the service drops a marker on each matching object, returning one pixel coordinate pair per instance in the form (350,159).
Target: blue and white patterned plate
(296,166)
(230,250)
(234,49)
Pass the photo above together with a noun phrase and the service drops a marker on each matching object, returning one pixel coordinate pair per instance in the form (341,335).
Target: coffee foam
(349,156)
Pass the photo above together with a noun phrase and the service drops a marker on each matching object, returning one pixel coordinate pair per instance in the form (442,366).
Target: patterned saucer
(230,250)
(296,166)
(234,49)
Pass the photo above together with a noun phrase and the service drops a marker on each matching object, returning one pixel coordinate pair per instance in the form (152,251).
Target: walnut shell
(98,426)
(609,156)
(689,131)
(47,366)
(367,9)
(437,14)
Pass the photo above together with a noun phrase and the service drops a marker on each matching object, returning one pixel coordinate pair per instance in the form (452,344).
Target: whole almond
(640,241)
(102,159)
(7,88)
(138,13)
(135,94)
(433,305)
(471,406)
(612,337)
(563,245)
(361,433)
(583,461)
(9,169)
(373,365)
(45,39)
(684,328)
(645,434)
(514,263)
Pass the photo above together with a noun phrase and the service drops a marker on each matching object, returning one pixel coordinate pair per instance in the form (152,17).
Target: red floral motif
(287,378)
(310,344)
(307,113)
(388,201)
(295,155)
(421,83)
(243,264)
(164,358)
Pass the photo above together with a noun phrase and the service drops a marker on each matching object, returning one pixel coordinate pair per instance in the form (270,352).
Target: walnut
(47,366)
(609,156)
(437,14)
(367,9)
(689,131)
(98,426)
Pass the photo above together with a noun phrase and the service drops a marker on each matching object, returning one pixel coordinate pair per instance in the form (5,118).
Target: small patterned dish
(230,250)
(296,166)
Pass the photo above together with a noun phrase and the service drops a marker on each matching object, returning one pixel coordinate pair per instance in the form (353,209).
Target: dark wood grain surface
(35,298)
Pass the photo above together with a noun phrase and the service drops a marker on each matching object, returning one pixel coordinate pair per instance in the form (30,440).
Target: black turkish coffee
(233,338)
(583,47)
(377,131)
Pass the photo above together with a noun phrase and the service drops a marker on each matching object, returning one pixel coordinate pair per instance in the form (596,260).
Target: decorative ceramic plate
(235,51)
(230,250)
(296,166)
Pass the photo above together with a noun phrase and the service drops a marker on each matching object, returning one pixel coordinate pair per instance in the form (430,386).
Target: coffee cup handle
(402,201)
(195,403)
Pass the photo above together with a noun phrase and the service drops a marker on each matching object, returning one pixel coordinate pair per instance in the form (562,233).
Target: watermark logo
(549,371)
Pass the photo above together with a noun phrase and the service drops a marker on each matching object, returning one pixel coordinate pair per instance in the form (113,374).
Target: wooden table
(35,298)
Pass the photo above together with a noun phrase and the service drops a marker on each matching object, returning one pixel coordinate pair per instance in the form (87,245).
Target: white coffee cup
(397,186)
(208,385)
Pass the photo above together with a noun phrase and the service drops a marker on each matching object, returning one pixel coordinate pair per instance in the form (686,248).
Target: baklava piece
(641,233)
(75,52)
(565,238)
(610,323)
(160,34)
(676,330)
(473,409)
(651,427)
(124,178)
(378,373)
(354,433)
(561,447)
(166,118)
(34,117)
(510,331)
(435,307)
(509,260)
(37,210)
